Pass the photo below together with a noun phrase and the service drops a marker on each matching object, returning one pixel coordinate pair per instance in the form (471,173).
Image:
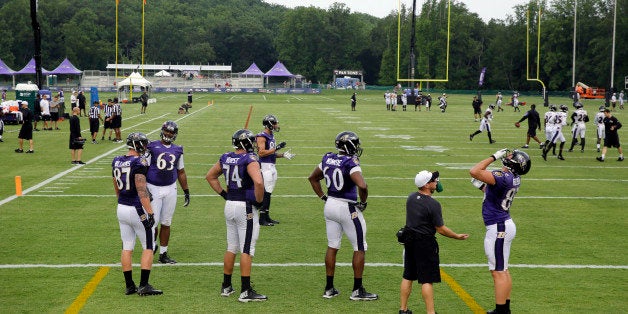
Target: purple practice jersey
(337,170)
(270,144)
(124,169)
(165,161)
(498,198)
(239,183)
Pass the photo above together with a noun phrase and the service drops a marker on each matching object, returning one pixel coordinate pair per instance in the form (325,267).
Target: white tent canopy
(134,83)
(163,73)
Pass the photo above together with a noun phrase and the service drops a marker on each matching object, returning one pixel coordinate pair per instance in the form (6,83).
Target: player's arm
(255,173)
(212,178)
(359,181)
(142,192)
(479,170)
(444,230)
(315,181)
(115,187)
(261,147)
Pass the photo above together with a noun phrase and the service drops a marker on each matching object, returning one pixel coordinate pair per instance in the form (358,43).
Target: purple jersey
(498,198)
(124,169)
(337,170)
(270,144)
(239,183)
(164,163)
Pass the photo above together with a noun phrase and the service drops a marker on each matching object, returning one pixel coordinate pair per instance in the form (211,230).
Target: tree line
(313,42)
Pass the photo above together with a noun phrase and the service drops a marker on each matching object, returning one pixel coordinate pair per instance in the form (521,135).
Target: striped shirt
(94,112)
(108,111)
(117,109)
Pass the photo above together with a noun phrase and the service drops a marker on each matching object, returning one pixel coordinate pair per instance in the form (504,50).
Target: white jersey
(558,120)
(579,127)
(485,124)
(44,104)
(387,98)
(599,122)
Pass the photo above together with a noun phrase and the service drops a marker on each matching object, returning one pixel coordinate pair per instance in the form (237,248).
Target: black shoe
(492,141)
(78,162)
(330,293)
(131,290)
(272,220)
(561,157)
(525,146)
(165,259)
(361,295)
(495,312)
(570,150)
(102,138)
(36,129)
(264,220)
(73,162)
(251,295)
(30,151)
(470,137)
(620,159)
(408,311)
(227,291)
(599,159)
(544,155)
(148,290)
(1,140)
(19,150)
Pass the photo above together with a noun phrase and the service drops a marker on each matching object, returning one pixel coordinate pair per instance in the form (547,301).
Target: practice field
(61,245)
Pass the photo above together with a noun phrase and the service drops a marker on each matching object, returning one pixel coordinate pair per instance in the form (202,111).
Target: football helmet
(564,108)
(271,122)
(244,139)
(171,127)
(518,162)
(552,107)
(491,106)
(602,108)
(137,141)
(348,143)
(578,105)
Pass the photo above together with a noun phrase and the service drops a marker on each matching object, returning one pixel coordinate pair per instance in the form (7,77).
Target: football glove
(148,220)
(224,194)
(288,155)
(280,146)
(324,198)
(187,197)
(500,153)
(361,206)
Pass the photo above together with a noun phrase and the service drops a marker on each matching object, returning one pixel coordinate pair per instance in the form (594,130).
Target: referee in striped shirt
(117,120)
(107,122)
(94,120)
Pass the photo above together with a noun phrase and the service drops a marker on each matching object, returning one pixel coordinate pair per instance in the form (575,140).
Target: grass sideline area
(568,256)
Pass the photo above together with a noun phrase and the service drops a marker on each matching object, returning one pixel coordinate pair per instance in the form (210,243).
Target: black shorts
(532,132)
(45,117)
(116,122)
(421,261)
(94,125)
(37,117)
(54,116)
(477,110)
(74,145)
(26,132)
(612,140)
(107,124)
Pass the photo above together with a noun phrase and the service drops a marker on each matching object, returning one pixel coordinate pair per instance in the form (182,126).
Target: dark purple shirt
(164,163)
(337,172)
(124,169)
(239,183)
(499,197)
(270,144)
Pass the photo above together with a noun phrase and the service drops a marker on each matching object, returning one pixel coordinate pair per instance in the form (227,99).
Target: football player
(268,152)
(499,99)
(485,124)
(243,193)
(500,188)
(166,167)
(343,212)
(549,126)
(135,213)
(558,120)
(442,103)
(578,120)
(599,123)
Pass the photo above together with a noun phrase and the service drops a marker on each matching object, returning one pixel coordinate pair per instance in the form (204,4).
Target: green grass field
(568,257)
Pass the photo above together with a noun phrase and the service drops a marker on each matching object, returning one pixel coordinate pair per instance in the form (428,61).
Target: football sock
(128,278)
(226,280)
(330,282)
(490,138)
(246,283)
(163,249)
(603,156)
(357,283)
(583,140)
(144,277)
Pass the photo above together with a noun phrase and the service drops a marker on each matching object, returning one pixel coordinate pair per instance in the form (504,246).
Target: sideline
(462,294)
(93,160)
(87,291)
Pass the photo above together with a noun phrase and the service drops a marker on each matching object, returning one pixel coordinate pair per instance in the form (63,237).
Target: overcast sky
(486,9)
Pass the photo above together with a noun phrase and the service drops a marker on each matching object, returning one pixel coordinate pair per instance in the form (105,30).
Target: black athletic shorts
(94,125)
(421,261)
(612,140)
(532,132)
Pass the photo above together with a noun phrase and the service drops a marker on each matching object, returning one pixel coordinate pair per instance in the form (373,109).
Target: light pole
(573,62)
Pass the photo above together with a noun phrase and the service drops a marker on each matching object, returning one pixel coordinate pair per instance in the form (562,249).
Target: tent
(127,86)
(29,68)
(163,73)
(279,70)
(4,69)
(253,70)
(66,67)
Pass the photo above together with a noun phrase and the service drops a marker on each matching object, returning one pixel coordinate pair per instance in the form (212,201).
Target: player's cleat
(470,137)
(78,162)
(621,158)
(227,291)
(492,142)
(165,259)
(544,155)
(361,295)
(131,290)
(496,312)
(408,311)
(541,145)
(148,290)
(330,293)
(19,150)
(250,295)
(598,150)
(582,150)
(600,159)
(561,157)
(525,146)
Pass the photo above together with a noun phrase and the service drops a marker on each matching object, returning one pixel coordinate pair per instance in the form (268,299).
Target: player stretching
(166,167)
